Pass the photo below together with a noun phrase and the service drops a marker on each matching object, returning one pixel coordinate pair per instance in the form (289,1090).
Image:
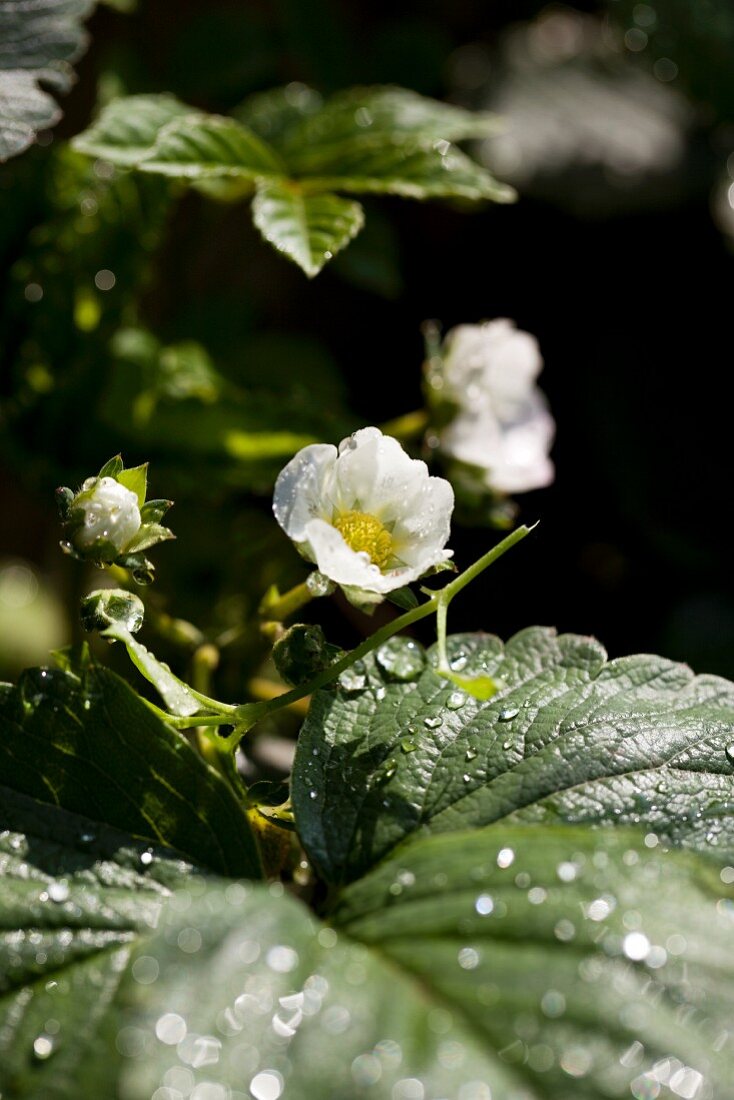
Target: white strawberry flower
(502,426)
(369,516)
(109,513)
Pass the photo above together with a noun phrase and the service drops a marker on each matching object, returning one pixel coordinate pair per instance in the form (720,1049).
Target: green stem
(441,616)
(249,714)
(282,607)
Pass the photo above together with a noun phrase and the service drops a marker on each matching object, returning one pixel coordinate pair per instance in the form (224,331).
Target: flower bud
(302,652)
(109,522)
(112,606)
(108,517)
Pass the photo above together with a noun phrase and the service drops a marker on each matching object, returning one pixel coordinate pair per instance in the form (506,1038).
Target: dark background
(632,308)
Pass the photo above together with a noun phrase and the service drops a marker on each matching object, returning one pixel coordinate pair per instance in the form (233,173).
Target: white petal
(513,454)
(421,533)
(375,475)
(110,512)
(304,489)
(491,364)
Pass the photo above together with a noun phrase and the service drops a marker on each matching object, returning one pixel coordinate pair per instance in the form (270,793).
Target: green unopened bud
(302,652)
(110,607)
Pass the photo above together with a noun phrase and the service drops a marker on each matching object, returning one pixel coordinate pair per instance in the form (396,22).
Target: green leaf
(200,146)
(307,228)
(274,114)
(127,129)
(414,169)
(38,43)
(374,115)
(570,737)
(74,898)
(90,745)
(512,963)
(135,478)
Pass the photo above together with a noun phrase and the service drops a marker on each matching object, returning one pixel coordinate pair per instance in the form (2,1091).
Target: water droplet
(459,662)
(352,681)
(730,753)
(507,744)
(471,754)
(401,659)
(408,744)
(507,713)
(313,794)
(484,905)
(467,777)
(386,770)
(58,891)
(43,1047)
(456,700)
(432,722)
(146,858)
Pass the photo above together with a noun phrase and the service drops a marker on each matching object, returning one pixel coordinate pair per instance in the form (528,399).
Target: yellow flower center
(365,534)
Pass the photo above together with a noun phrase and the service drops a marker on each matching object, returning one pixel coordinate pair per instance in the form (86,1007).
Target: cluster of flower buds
(109,522)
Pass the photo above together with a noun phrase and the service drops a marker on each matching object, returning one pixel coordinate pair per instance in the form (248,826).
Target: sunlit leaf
(38,43)
(90,745)
(307,228)
(569,737)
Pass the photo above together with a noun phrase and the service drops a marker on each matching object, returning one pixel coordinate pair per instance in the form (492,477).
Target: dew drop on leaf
(432,722)
(730,753)
(456,700)
(43,1047)
(507,713)
(58,891)
(401,659)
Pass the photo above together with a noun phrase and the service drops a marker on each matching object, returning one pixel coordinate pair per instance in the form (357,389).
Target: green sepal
(112,467)
(481,687)
(404,598)
(142,569)
(135,478)
(64,497)
(148,535)
(154,510)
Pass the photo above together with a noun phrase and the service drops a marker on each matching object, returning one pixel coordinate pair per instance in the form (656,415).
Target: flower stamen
(365,534)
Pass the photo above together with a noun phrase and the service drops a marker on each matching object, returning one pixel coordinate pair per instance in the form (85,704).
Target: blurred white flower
(368,515)
(503,426)
(110,514)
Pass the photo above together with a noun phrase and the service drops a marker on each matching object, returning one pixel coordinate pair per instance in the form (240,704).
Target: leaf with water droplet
(95,747)
(590,739)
